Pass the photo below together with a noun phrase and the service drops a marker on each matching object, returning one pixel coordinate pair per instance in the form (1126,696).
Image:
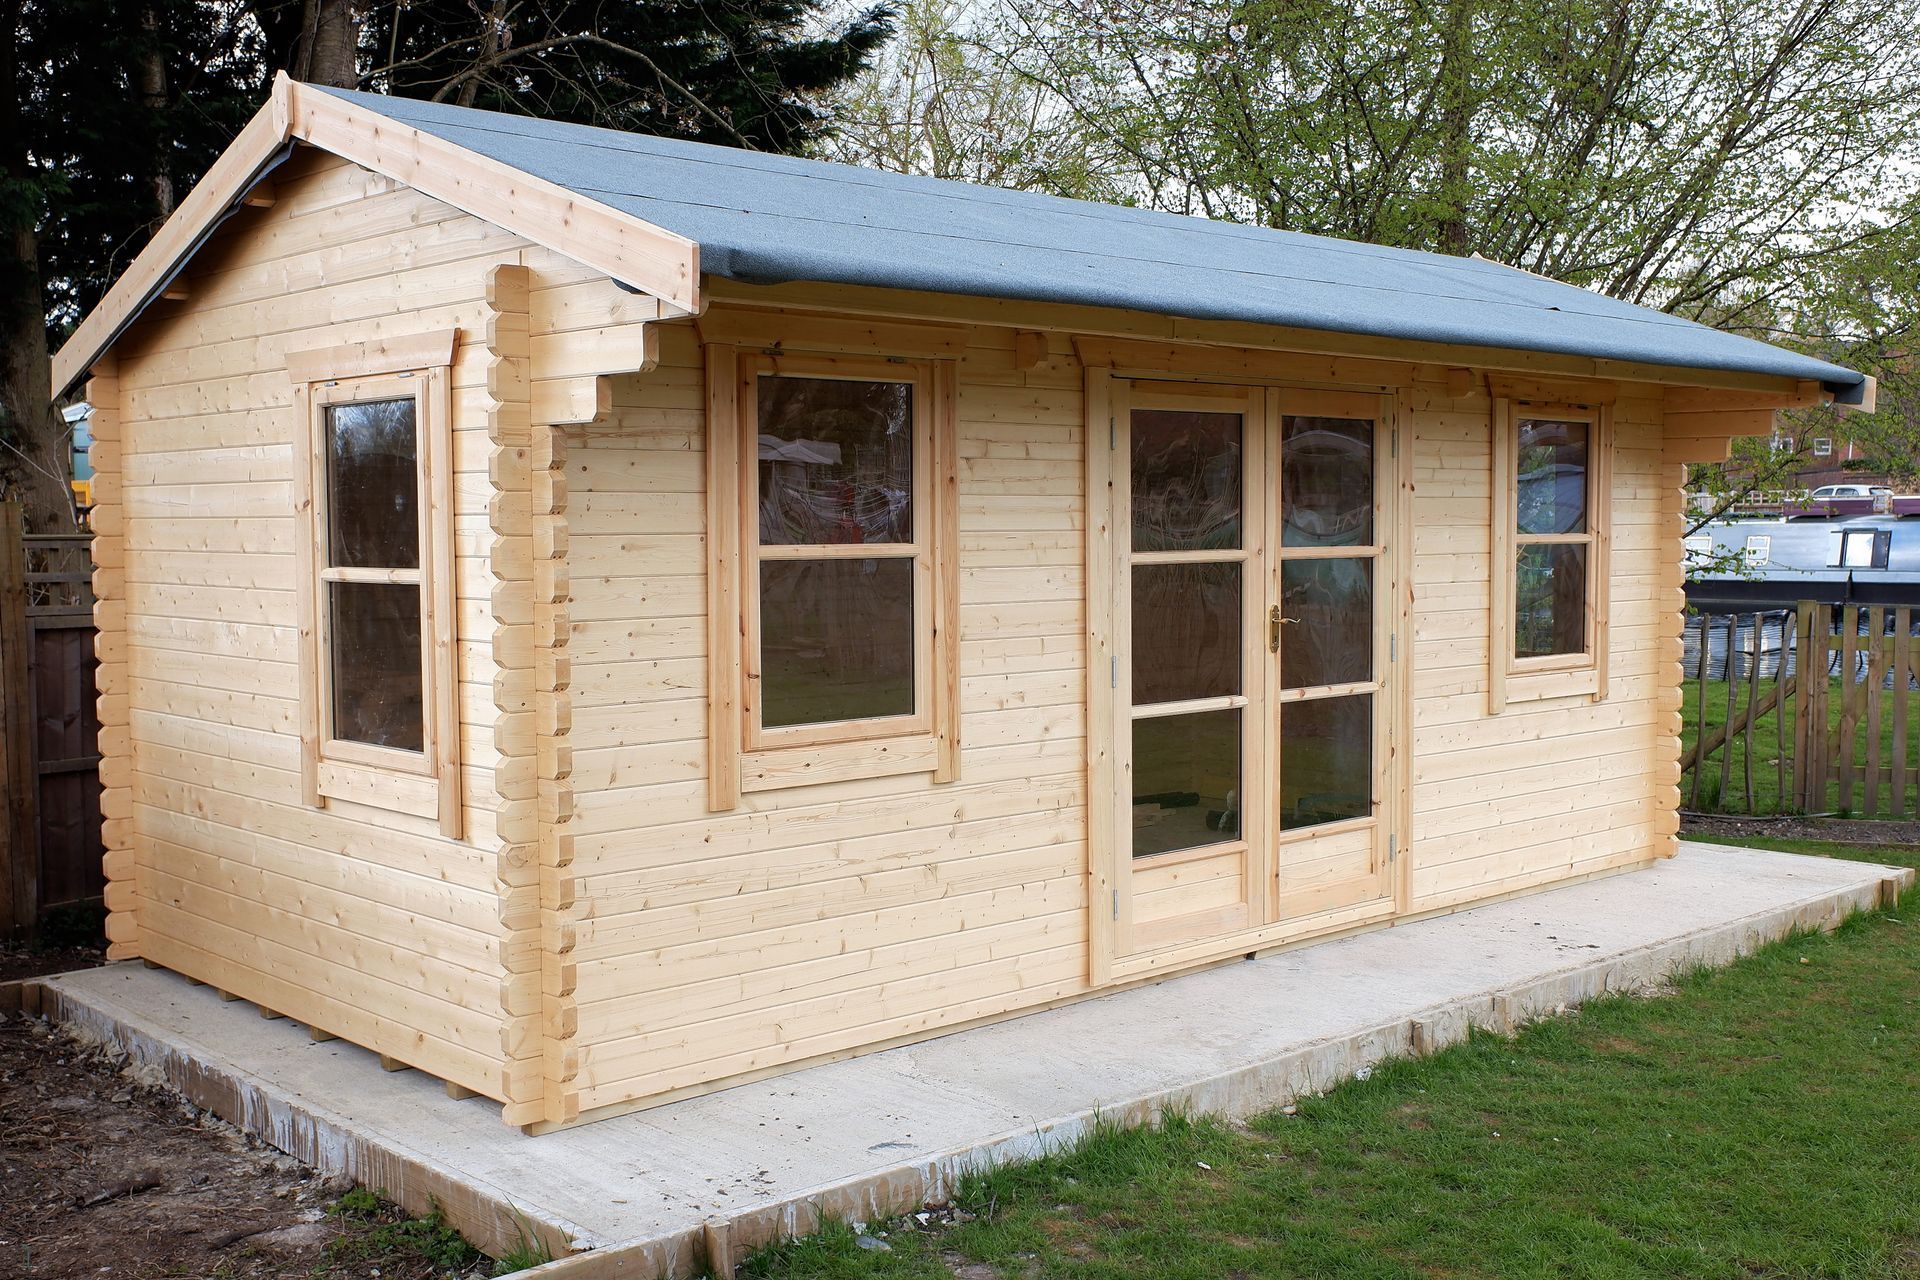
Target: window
(838,491)
(845,600)
(1758,550)
(379,720)
(1699,548)
(1862,548)
(1551,464)
(1822,447)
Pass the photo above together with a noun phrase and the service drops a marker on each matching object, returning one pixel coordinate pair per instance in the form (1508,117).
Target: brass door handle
(1274,623)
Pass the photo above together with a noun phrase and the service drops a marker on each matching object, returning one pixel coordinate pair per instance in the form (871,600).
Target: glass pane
(374,642)
(836,640)
(1328,635)
(1550,601)
(836,461)
(1326,482)
(1326,760)
(1186,781)
(373,485)
(1186,631)
(1552,495)
(1186,480)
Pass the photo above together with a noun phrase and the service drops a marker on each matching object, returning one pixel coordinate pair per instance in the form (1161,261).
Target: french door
(1248,569)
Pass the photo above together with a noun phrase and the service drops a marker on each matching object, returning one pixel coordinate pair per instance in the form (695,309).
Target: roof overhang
(634,253)
(645,257)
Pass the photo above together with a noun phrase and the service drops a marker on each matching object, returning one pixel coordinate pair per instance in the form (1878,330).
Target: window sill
(415,794)
(1538,686)
(776,768)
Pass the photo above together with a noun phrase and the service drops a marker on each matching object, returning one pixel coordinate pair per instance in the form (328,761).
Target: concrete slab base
(660,1192)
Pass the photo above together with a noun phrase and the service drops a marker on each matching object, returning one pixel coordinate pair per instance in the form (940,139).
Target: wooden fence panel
(19,863)
(49,759)
(66,762)
(1848,678)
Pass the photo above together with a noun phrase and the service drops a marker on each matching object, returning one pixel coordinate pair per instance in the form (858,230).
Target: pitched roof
(762,218)
(657,213)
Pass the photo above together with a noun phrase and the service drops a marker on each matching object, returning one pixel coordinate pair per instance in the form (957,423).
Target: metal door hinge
(1393,648)
(1393,847)
(1116,904)
(1113,433)
(1113,672)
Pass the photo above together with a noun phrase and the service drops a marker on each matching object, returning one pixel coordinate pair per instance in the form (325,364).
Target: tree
(940,102)
(30,427)
(1700,158)
(750,73)
(109,104)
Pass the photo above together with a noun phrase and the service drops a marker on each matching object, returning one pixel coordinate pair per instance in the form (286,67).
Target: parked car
(1831,500)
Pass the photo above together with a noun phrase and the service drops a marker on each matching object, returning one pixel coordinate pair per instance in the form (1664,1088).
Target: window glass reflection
(1326,482)
(1186,471)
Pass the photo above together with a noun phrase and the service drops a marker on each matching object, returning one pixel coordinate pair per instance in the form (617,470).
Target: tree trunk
(1456,130)
(329,49)
(38,458)
(493,36)
(150,81)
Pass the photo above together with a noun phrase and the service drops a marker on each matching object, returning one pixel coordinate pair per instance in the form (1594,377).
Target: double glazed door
(1252,583)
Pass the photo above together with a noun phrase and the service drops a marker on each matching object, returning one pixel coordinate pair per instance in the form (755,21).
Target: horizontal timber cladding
(362,922)
(602,935)
(816,920)
(1556,788)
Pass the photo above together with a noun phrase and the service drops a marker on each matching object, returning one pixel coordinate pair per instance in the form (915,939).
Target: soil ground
(111,1178)
(1739,830)
(35,962)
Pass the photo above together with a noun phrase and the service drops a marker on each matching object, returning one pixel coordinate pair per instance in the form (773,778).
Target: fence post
(1902,694)
(1849,707)
(1802,700)
(1876,672)
(19,857)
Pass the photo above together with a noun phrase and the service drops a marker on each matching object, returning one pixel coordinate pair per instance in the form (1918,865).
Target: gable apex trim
(631,251)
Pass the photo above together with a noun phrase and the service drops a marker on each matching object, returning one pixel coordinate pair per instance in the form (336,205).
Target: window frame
(424,784)
(1879,547)
(745,755)
(1511,678)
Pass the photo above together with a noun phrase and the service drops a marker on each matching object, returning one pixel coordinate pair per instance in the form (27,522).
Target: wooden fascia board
(1105,322)
(225,184)
(808,331)
(1716,400)
(1506,386)
(630,250)
(1132,356)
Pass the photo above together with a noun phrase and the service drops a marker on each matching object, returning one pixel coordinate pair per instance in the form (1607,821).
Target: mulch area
(37,962)
(109,1174)
(1839,830)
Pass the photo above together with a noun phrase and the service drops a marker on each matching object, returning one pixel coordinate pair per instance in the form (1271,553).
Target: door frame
(1109,711)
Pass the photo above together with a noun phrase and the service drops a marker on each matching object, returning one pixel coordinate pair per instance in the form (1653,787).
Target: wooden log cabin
(596,618)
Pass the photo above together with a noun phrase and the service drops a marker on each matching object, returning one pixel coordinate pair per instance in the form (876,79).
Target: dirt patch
(108,1175)
(37,962)
(1839,830)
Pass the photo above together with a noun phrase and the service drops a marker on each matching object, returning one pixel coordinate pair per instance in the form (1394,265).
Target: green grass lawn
(1723,784)
(1760,1120)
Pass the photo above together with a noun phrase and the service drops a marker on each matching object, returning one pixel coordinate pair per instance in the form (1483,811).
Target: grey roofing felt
(767,219)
